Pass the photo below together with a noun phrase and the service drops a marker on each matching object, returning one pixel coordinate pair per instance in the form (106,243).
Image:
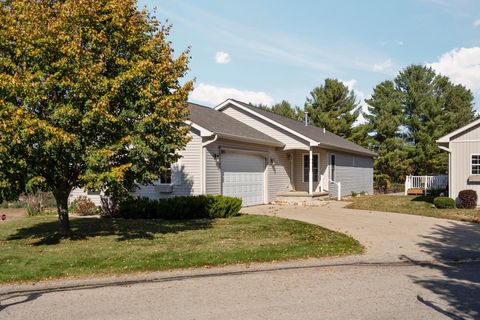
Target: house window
(92,192)
(166,177)
(315,167)
(476,164)
(332,167)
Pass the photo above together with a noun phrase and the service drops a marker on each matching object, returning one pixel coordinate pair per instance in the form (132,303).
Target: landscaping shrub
(36,203)
(83,206)
(468,199)
(180,208)
(108,208)
(444,203)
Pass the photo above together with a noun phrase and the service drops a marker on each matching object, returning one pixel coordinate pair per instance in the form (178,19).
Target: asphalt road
(414,268)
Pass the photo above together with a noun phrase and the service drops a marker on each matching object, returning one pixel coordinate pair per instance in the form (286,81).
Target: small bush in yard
(83,206)
(468,199)
(180,208)
(109,208)
(444,203)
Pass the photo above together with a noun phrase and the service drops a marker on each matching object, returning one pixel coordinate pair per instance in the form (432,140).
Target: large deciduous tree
(334,107)
(90,97)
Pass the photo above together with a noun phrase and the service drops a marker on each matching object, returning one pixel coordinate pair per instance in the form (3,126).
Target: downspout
(204,163)
(449,169)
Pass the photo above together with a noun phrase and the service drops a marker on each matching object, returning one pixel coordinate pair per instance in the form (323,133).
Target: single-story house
(463,147)
(243,151)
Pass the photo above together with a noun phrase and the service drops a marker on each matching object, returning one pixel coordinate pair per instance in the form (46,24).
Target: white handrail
(339,188)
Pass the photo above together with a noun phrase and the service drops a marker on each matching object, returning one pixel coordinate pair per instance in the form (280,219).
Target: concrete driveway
(413,268)
(389,237)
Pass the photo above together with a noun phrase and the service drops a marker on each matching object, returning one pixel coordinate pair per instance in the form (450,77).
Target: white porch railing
(339,189)
(426,183)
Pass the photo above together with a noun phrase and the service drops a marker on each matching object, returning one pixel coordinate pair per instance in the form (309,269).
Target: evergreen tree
(384,120)
(334,107)
(285,109)
(432,107)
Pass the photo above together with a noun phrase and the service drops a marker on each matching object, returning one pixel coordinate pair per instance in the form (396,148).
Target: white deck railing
(426,183)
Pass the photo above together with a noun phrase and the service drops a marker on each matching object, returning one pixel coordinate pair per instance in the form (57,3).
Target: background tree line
(405,117)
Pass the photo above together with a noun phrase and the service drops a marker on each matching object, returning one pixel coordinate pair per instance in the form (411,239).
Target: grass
(416,205)
(31,250)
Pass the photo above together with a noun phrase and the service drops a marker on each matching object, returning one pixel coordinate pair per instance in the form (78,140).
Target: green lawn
(31,250)
(417,205)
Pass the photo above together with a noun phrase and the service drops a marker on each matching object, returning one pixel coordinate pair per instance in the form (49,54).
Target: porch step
(415,192)
(301,198)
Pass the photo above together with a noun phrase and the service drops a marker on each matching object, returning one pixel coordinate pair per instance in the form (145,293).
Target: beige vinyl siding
(186,172)
(354,172)
(78,192)
(472,135)
(186,175)
(461,165)
(299,184)
(277,178)
(290,141)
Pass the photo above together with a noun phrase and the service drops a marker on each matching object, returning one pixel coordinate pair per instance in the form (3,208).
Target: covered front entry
(243,176)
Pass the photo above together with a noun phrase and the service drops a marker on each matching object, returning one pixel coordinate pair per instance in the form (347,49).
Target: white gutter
(203,162)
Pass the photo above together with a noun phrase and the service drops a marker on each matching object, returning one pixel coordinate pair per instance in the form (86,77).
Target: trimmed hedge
(468,199)
(180,208)
(444,203)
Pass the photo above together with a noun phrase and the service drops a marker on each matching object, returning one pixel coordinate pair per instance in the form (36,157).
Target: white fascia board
(224,104)
(446,138)
(203,132)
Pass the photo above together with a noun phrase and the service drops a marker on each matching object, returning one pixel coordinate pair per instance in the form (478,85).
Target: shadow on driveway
(457,248)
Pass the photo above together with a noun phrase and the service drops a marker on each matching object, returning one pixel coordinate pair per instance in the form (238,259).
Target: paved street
(414,268)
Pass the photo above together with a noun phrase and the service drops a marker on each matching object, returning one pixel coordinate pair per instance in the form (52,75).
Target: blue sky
(265,51)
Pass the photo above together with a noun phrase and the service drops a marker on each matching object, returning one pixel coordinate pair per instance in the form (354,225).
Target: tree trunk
(61,197)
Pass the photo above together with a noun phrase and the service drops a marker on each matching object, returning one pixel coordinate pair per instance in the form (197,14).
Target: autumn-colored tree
(90,97)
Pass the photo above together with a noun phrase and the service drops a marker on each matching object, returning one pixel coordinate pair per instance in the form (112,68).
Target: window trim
(471,164)
(160,183)
(330,167)
(303,166)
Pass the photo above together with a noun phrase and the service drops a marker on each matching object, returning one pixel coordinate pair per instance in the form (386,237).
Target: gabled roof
(214,122)
(448,137)
(323,137)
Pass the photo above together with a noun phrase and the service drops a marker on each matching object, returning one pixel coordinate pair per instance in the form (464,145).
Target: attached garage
(243,176)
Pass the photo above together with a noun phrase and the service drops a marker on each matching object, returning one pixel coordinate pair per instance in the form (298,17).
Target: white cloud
(222,57)
(461,65)
(215,95)
(382,66)
(476,23)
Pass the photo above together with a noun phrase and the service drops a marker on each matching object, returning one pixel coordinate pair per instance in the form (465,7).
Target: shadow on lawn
(45,233)
(457,248)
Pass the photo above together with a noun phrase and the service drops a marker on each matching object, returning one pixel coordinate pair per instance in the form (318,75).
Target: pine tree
(285,109)
(384,118)
(433,107)
(334,107)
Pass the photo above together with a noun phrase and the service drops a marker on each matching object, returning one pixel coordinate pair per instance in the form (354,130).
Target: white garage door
(243,177)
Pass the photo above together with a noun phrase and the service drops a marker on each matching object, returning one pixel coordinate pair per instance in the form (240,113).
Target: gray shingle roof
(226,126)
(324,138)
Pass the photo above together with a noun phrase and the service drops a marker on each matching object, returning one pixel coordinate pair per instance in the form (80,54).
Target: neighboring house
(463,147)
(243,151)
